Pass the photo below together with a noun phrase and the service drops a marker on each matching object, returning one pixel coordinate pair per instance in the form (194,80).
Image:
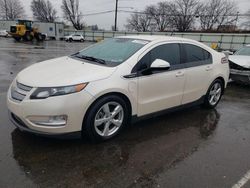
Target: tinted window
(166,52)
(197,55)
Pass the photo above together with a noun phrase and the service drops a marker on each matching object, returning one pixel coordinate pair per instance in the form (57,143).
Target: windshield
(243,51)
(112,51)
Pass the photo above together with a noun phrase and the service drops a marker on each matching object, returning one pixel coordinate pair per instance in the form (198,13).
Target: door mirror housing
(160,64)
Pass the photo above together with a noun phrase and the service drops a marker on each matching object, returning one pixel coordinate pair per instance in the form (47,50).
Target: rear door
(199,69)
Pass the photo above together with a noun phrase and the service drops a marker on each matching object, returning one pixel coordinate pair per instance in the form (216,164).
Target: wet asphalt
(191,148)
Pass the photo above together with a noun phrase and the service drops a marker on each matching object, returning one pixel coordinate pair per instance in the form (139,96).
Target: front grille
(232,65)
(19,91)
(23,87)
(17,96)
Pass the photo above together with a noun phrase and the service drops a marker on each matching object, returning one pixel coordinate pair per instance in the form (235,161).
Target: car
(98,91)
(4,33)
(240,65)
(74,37)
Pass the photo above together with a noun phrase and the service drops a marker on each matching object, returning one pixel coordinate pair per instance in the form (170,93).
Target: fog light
(60,120)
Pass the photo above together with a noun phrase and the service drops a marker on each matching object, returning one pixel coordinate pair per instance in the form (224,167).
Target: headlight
(45,92)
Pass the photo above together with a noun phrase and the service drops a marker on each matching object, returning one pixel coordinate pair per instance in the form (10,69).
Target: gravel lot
(193,148)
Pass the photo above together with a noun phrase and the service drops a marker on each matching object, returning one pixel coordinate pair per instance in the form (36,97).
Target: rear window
(196,54)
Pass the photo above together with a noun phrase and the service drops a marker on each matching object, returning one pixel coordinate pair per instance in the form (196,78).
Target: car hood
(62,71)
(240,60)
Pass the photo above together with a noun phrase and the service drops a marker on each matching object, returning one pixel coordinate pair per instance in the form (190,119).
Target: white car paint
(74,37)
(241,60)
(4,33)
(146,94)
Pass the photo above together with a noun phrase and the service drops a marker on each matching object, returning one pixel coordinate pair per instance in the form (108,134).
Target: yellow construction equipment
(25,31)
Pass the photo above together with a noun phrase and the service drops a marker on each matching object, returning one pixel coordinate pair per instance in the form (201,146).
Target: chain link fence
(223,41)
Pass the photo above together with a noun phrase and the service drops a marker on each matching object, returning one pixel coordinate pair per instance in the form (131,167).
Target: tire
(70,40)
(214,94)
(39,37)
(17,39)
(28,36)
(98,124)
(82,40)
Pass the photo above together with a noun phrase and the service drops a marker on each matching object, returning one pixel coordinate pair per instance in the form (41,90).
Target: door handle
(209,68)
(179,74)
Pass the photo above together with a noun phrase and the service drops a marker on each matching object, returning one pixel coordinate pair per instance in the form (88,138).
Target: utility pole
(116,10)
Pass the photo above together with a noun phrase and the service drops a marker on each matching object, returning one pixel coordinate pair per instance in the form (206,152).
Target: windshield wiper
(90,58)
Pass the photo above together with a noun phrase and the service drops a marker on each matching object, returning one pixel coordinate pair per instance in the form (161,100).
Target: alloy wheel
(215,93)
(109,119)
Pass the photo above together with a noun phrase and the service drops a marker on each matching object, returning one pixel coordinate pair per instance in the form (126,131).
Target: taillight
(224,60)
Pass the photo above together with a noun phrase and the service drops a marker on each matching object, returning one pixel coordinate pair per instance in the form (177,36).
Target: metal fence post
(231,44)
(245,40)
(201,37)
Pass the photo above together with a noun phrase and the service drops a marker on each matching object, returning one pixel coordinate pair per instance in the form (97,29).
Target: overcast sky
(107,20)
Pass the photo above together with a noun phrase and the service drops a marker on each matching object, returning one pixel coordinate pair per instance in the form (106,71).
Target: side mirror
(160,64)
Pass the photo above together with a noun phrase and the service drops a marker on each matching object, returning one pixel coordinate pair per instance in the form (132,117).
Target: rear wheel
(214,94)
(70,40)
(39,37)
(106,118)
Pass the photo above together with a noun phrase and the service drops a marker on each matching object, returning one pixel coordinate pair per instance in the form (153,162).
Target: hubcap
(109,119)
(215,94)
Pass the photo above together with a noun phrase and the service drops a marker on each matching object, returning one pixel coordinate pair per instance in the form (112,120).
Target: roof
(155,37)
(161,38)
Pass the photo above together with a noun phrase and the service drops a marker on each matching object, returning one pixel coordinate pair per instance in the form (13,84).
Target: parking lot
(191,148)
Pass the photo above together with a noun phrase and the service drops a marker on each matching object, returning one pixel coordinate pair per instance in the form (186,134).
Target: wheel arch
(123,96)
(223,82)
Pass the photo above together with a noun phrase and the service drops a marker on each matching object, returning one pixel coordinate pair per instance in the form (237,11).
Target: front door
(160,89)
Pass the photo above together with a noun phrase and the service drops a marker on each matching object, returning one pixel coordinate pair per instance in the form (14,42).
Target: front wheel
(28,36)
(214,94)
(106,118)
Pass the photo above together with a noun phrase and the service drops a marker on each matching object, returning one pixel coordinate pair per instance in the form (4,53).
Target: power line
(141,12)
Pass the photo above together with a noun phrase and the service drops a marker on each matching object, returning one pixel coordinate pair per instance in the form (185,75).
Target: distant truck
(24,30)
(53,30)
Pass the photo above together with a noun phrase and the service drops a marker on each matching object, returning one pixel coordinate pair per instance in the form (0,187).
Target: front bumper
(24,128)
(74,106)
(240,76)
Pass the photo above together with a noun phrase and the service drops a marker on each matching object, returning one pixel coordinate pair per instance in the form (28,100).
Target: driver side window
(166,52)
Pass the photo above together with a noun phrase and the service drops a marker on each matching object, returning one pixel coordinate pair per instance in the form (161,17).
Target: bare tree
(71,12)
(140,22)
(183,13)
(228,9)
(43,10)
(216,13)
(246,23)
(11,9)
(161,19)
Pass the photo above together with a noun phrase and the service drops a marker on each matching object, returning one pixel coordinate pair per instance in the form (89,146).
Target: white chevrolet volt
(97,91)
